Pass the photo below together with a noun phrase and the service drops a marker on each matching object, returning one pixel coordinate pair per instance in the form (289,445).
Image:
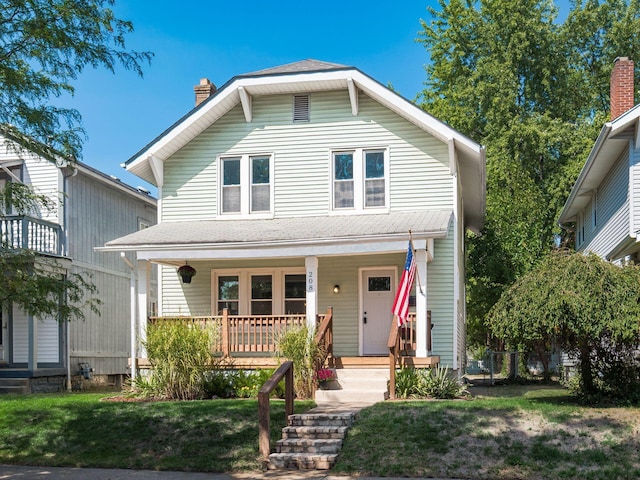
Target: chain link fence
(495,365)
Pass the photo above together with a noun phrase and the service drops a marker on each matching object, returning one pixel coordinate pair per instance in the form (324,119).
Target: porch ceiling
(279,237)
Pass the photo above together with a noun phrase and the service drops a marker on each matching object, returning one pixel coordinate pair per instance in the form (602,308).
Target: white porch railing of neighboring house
(31,233)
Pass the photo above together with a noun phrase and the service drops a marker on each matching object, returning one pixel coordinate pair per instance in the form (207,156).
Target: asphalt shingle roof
(430,223)
(309,65)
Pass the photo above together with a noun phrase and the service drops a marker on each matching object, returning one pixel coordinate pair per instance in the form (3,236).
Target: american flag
(401,303)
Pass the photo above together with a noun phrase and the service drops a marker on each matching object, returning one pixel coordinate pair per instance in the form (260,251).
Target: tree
(589,307)
(44,45)
(535,92)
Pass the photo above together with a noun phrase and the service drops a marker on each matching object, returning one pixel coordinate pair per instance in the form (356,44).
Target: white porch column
(143,274)
(311,264)
(32,329)
(421,303)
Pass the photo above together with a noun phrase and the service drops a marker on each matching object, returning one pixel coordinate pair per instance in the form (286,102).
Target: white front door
(377,300)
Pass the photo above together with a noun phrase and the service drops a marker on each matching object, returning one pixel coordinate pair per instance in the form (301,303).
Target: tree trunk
(586,369)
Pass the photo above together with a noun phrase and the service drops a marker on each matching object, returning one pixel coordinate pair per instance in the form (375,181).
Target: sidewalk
(10,472)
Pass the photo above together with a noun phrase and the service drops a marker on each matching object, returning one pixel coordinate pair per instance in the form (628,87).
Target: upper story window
(360,179)
(246,184)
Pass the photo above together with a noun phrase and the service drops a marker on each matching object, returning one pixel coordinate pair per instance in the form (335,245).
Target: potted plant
(186,271)
(326,378)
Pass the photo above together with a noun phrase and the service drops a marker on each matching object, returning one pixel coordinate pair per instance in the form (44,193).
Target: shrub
(239,383)
(430,383)
(297,344)
(406,382)
(179,353)
(440,383)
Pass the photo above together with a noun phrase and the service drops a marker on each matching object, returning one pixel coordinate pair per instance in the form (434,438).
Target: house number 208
(311,282)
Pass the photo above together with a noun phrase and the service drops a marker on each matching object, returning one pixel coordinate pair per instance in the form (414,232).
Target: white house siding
(45,178)
(98,212)
(612,211)
(20,336)
(419,172)
(461,336)
(634,165)
(48,341)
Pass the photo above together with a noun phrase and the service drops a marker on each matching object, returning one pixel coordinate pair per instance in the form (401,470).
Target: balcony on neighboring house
(35,234)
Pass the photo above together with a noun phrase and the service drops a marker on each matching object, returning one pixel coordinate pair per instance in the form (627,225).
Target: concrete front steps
(355,386)
(312,441)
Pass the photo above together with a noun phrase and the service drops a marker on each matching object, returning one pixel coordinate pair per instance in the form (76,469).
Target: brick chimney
(622,79)
(204,90)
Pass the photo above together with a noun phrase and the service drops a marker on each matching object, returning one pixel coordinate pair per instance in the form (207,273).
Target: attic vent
(301,108)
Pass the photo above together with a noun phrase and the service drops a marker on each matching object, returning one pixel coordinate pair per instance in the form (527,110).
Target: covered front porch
(275,273)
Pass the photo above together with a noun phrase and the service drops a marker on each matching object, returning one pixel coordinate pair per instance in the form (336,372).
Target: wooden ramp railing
(402,339)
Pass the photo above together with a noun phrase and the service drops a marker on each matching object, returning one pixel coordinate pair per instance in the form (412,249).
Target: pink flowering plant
(326,375)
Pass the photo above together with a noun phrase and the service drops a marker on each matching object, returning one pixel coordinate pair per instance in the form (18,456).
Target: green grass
(80,430)
(533,434)
(517,432)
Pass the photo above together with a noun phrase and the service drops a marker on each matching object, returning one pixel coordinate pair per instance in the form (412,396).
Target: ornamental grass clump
(297,344)
(180,353)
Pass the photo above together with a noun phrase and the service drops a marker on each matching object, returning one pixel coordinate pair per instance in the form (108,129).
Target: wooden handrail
(264,411)
(324,337)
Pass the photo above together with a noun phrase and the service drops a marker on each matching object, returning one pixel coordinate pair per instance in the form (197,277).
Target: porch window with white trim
(261,294)
(360,179)
(228,294)
(294,293)
(246,184)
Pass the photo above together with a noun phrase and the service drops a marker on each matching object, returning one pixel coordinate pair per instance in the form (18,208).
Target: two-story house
(88,208)
(294,189)
(604,204)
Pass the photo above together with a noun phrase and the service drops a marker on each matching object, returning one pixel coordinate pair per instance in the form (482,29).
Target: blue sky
(218,40)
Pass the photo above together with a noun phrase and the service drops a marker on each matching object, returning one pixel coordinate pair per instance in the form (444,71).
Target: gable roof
(611,142)
(311,76)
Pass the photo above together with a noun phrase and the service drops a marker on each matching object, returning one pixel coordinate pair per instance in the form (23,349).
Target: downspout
(134,310)
(64,252)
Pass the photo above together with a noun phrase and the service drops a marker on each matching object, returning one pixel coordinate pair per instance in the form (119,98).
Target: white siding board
(612,211)
(20,330)
(48,341)
(634,163)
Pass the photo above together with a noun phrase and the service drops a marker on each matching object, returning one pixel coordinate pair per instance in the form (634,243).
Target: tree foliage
(587,306)
(44,45)
(535,91)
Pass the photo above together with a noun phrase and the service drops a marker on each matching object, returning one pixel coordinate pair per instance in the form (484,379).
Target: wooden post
(225,332)
(288,392)
(264,424)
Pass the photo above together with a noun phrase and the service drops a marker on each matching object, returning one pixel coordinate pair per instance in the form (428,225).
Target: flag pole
(417,273)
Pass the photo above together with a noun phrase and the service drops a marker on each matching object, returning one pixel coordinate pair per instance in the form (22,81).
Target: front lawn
(80,430)
(525,433)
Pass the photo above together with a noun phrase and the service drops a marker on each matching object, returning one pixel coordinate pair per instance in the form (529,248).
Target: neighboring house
(293,189)
(89,208)
(604,204)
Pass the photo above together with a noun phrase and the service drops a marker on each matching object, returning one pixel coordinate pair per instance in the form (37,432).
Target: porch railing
(253,333)
(31,233)
(402,341)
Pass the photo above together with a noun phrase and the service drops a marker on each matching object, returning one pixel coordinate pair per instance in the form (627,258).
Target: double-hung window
(246,184)
(360,179)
